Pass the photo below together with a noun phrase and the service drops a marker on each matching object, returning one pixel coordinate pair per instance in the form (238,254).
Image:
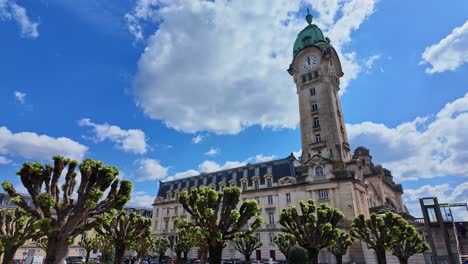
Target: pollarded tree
(88,244)
(16,227)
(106,248)
(61,214)
(162,244)
(144,246)
(285,243)
(198,235)
(375,232)
(184,241)
(406,241)
(123,230)
(216,212)
(314,229)
(342,243)
(246,245)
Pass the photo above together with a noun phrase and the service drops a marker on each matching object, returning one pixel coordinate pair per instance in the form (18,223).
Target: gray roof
(279,168)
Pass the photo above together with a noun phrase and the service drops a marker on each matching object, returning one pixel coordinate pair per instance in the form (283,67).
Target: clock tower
(316,70)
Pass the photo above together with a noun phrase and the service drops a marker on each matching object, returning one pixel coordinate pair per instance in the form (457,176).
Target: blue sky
(167,89)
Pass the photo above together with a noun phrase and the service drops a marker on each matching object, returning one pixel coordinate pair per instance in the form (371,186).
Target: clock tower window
(316,122)
(314,107)
(312,91)
(318,138)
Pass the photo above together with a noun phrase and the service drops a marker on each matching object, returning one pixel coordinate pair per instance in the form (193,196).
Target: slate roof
(279,168)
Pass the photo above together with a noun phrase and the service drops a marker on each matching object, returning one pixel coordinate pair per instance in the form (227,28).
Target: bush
(297,255)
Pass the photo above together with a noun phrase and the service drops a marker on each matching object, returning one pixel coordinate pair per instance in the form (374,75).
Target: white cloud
(231,74)
(4,160)
(444,193)
(197,139)
(450,53)
(20,97)
(132,140)
(10,10)
(213,152)
(150,169)
(181,175)
(423,148)
(141,199)
(33,146)
(211,166)
(370,61)
(262,158)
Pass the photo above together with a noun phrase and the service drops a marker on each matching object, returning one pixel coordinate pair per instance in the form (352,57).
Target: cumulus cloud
(181,175)
(42,147)
(444,193)
(211,166)
(370,61)
(20,97)
(10,10)
(150,169)
(213,152)
(262,158)
(4,160)
(231,74)
(423,148)
(197,139)
(141,199)
(450,53)
(132,140)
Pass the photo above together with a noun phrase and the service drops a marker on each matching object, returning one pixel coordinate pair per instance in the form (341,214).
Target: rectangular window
(317,138)
(176,210)
(167,211)
(204,181)
(155,225)
(246,172)
(316,75)
(179,184)
(309,76)
(166,224)
(304,79)
(272,237)
(314,107)
(257,235)
(157,212)
(271,218)
(257,184)
(269,169)
(234,175)
(257,171)
(269,183)
(316,122)
(288,197)
(244,186)
(270,199)
(323,194)
(312,91)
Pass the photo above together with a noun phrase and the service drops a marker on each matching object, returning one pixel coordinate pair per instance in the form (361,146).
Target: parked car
(75,260)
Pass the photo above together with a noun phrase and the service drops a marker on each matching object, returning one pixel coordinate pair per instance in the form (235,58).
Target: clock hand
(308,60)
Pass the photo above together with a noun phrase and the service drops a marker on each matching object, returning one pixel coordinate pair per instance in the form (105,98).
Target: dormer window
(319,171)
(306,41)
(257,171)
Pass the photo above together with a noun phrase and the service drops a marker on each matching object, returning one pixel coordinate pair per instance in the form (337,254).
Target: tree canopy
(246,245)
(285,242)
(62,213)
(314,229)
(217,216)
(342,243)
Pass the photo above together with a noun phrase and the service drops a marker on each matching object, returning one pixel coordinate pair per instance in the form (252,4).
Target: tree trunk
(119,254)
(313,256)
(216,252)
(87,255)
(57,247)
(186,256)
(203,255)
(9,254)
(381,258)
(403,260)
(247,258)
(178,257)
(339,259)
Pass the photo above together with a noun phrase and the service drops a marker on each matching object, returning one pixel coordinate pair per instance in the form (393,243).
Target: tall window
(245,173)
(272,237)
(176,210)
(157,212)
(167,211)
(304,78)
(257,184)
(166,224)
(319,171)
(244,186)
(312,91)
(269,169)
(257,171)
(317,138)
(323,194)
(155,225)
(270,199)
(314,107)
(168,195)
(269,183)
(271,218)
(316,122)
(288,197)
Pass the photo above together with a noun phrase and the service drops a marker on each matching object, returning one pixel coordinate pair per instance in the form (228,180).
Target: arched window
(319,171)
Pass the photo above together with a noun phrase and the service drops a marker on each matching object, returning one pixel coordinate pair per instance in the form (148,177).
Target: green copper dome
(308,36)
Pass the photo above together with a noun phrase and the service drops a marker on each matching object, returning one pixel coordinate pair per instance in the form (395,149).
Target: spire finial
(308,17)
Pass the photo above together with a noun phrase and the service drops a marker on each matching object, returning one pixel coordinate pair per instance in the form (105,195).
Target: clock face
(309,62)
